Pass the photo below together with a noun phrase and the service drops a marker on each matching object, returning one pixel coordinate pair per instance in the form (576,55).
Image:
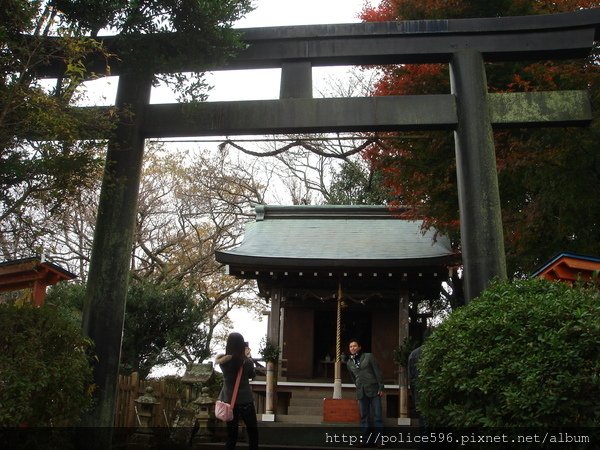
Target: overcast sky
(270,13)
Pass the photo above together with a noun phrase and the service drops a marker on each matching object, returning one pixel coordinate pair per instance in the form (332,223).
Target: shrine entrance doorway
(355,324)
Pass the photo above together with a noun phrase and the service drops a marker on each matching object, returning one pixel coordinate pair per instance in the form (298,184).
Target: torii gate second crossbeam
(469,111)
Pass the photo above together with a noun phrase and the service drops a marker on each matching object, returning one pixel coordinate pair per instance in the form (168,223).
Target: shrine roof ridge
(333,235)
(36,261)
(264,212)
(558,256)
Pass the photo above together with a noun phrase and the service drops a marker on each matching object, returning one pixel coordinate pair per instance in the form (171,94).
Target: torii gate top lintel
(563,35)
(575,19)
(421,41)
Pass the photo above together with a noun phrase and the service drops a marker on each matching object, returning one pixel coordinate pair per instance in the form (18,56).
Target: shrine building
(569,268)
(333,273)
(31,276)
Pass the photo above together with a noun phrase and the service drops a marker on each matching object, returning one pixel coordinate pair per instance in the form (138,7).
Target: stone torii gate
(469,111)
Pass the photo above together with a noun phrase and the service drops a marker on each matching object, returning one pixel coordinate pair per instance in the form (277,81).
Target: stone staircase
(304,407)
(302,428)
(307,407)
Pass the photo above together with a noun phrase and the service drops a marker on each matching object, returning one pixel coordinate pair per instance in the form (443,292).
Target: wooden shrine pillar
(403,409)
(273,334)
(274,325)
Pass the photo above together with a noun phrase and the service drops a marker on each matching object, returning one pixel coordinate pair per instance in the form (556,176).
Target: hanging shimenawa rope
(303,144)
(338,331)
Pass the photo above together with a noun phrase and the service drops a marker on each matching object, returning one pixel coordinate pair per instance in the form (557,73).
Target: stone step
(305,410)
(298,432)
(322,394)
(305,401)
(309,434)
(300,418)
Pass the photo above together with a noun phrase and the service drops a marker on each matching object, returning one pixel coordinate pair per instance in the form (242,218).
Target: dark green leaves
(525,353)
(45,376)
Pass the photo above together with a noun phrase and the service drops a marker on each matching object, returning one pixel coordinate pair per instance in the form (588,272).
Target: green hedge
(525,353)
(45,375)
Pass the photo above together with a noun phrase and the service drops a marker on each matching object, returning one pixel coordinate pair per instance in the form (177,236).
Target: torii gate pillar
(104,307)
(482,240)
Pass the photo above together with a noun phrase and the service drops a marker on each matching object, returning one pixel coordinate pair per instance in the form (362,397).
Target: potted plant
(269,351)
(401,353)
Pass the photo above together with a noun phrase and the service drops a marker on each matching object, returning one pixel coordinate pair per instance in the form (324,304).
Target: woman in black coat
(237,354)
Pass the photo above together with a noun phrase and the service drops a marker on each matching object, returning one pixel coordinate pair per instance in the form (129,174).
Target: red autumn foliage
(549,177)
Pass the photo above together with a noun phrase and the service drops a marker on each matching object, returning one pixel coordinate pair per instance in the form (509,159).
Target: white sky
(302,12)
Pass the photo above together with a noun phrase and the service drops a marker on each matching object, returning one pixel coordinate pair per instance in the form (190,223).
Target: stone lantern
(204,406)
(143,436)
(195,419)
(145,408)
(197,375)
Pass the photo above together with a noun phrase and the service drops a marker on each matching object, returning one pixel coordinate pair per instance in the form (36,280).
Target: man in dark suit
(367,377)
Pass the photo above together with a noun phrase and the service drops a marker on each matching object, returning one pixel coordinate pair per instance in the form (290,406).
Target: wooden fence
(131,387)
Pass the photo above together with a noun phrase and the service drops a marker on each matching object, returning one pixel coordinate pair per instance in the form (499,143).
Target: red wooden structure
(32,273)
(569,267)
